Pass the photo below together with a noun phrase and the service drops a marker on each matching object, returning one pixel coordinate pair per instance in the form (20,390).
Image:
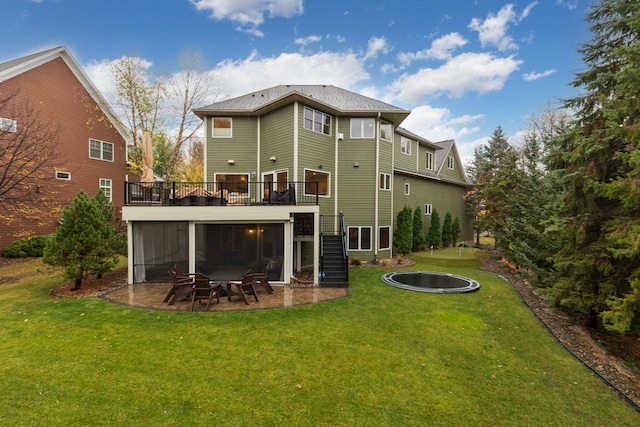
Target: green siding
(276,139)
(241,148)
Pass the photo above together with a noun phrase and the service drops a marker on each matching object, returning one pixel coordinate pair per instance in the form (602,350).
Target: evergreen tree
(456,230)
(82,242)
(598,164)
(434,237)
(447,235)
(403,234)
(418,232)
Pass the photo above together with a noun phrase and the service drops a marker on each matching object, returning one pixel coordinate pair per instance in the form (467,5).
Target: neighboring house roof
(19,66)
(339,101)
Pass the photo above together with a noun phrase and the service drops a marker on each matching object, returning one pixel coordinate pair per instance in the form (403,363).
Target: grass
(383,357)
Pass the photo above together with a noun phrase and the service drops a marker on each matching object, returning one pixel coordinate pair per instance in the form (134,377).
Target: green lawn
(382,357)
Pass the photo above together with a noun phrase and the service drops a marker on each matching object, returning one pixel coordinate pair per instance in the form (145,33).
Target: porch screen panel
(226,251)
(157,246)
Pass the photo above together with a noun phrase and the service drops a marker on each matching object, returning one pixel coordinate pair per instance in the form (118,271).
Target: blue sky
(462,66)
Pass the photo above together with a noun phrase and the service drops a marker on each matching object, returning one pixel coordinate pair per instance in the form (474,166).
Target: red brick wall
(58,95)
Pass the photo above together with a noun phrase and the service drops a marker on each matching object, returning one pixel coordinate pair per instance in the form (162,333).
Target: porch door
(274,181)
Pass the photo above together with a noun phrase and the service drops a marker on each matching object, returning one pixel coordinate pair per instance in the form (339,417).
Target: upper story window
(221,127)
(100,150)
(8,125)
(428,209)
(317,121)
(450,162)
(407,189)
(386,131)
(313,176)
(385,181)
(106,186)
(405,145)
(363,128)
(429,163)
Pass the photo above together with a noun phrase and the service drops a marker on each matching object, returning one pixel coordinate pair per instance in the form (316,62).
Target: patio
(150,296)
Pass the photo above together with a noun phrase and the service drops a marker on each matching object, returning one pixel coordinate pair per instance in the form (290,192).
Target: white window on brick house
(106,186)
(65,176)
(8,125)
(100,150)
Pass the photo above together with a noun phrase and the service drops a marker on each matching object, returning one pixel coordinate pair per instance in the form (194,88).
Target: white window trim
(380,240)
(102,151)
(384,181)
(428,209)
(328,182)
(313,115)
(450,162)
(429,161)
(8,125)
(407,189)
(213,135)
(109,187)
(362,127)
(61,175)
(360,228)
(216,180)
(405,142)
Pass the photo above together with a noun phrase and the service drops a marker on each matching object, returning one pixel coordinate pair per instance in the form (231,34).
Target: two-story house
(49,90)
(287,170)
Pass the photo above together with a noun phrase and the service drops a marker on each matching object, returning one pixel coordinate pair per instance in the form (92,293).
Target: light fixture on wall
(273,158)
(231,161)
(340,136)
(356,164)
(319,166)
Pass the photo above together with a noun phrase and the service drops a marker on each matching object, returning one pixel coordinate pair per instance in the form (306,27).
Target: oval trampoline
(429,281)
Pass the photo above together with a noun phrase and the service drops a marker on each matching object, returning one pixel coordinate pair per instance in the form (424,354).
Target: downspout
(259,148)
(295,141)
(377,198)
(206,120)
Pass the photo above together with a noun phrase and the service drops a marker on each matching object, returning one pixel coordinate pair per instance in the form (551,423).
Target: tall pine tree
(598,267)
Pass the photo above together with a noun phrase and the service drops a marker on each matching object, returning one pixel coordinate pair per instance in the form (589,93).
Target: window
(359,238)
(8,125)
(385,181)
(234,182)
(405,145)
(317,121)
(66,176)
(427,209)
(363,128)
(384,240)
(429,164)
(100,150)
(221,127)
(310,178)
(386,131)
(450,162)
(407,189)
(105,186)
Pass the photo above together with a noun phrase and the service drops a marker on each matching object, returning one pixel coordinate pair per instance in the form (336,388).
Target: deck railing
(221,193)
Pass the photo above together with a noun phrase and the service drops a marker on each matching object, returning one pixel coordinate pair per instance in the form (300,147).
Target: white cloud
(535,76)
(376,46)
(493,30)
(307,40)
(468,72)
(249,12)
(255,73)
(527,10)
(569,4)
(441,48)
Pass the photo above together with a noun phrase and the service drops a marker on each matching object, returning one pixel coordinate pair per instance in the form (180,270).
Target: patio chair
(182,287)
(203,290)
(261,279)
(243,288)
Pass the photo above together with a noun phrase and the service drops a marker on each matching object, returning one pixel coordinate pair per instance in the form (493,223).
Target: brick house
(91,144)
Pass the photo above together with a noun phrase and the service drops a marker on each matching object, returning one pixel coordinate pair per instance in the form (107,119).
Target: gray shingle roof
(340,100)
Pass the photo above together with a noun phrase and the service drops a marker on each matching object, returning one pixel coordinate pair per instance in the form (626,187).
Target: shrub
(355,261)
(29,247)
